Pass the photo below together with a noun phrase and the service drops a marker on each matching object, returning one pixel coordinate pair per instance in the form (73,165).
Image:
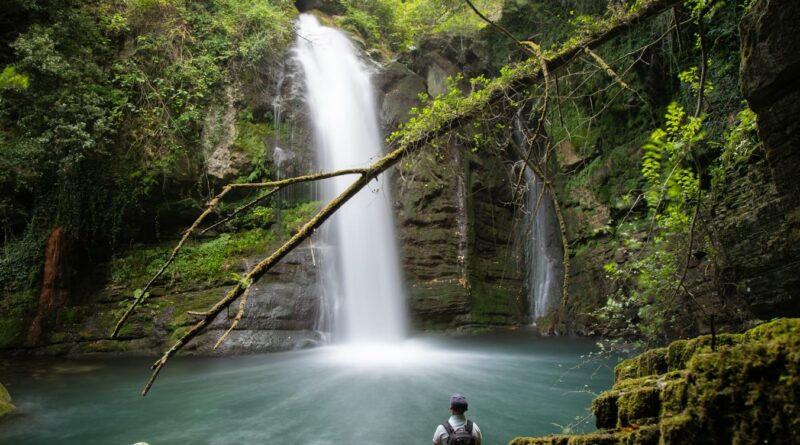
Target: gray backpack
(461,435)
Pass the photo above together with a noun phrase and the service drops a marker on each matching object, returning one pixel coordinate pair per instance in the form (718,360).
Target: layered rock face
(746,390)
(462,259)
(765,251)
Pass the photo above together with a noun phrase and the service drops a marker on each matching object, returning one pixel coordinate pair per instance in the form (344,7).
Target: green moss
(679,429)
(204,261)
(604,408)
(650,362)
(746,391)
(548,440)
(17,309)
(673,393)
(647,435)
(638,406)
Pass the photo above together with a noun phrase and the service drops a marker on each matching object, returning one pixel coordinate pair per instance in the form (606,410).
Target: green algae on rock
(747,390)
(5,402)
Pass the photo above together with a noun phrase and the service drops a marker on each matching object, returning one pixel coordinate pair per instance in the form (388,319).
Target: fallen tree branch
(236,320)
(528,73)
(528,49)
(611,73)
(212,204)
(241,209)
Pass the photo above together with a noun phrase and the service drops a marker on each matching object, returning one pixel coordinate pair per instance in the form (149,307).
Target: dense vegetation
(107,109)
(101,111)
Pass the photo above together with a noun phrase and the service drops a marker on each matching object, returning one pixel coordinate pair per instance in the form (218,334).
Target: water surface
(517,384)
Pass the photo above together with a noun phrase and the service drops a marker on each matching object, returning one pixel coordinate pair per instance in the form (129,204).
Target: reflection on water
(517,384)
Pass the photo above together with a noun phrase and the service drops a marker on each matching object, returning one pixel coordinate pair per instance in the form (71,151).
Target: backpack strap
(468,427)
(448,428)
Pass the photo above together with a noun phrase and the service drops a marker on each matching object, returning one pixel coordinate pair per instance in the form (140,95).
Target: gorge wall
(460,230)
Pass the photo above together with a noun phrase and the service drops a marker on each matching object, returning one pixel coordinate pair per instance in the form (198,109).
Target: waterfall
(543,250)
(360,267)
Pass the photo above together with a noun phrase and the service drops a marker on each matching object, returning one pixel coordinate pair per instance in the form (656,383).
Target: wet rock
(567,157)
(437,72)
(399,90)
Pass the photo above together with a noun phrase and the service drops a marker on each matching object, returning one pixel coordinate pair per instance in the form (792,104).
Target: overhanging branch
(529,73)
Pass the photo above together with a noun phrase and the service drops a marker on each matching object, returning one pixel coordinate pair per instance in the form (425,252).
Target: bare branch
(210,208)
(236,320)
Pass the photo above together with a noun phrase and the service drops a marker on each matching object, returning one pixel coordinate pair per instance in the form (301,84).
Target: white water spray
(544,247)
(360,268)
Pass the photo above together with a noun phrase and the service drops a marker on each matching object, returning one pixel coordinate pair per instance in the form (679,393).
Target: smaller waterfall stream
(545,271)
(543,249)
(360,268)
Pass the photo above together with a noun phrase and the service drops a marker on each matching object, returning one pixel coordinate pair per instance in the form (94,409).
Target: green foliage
(648,304)
(16,307)
(101,102)
(11,79)
(401,23)
(205,261)
(294,217)
(213,260)
(252,137)
(20,262)
(671,182)
(741,141)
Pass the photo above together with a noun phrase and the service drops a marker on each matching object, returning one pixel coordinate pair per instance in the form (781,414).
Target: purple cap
(458,401)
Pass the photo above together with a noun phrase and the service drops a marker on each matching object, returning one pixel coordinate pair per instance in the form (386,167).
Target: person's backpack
(461,435)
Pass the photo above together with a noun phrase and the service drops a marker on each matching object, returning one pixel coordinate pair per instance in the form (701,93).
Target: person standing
(457,430)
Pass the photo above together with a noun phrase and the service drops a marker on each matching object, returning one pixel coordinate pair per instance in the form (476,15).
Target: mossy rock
(746,390)
(650,362)
(604,408)
(5,402)
(547,440)
(638,406)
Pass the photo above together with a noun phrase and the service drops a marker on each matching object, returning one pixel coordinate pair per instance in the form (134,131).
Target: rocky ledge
(747,390)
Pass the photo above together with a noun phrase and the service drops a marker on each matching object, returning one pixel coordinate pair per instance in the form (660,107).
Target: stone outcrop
(224,161)
(398,89)
(462,260)
(280,314)
(767,214)
(747,390)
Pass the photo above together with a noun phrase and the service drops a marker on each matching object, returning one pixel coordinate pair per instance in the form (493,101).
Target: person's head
(458,404)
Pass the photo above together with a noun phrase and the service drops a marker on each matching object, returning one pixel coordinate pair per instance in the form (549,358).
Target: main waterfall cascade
(364,298)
